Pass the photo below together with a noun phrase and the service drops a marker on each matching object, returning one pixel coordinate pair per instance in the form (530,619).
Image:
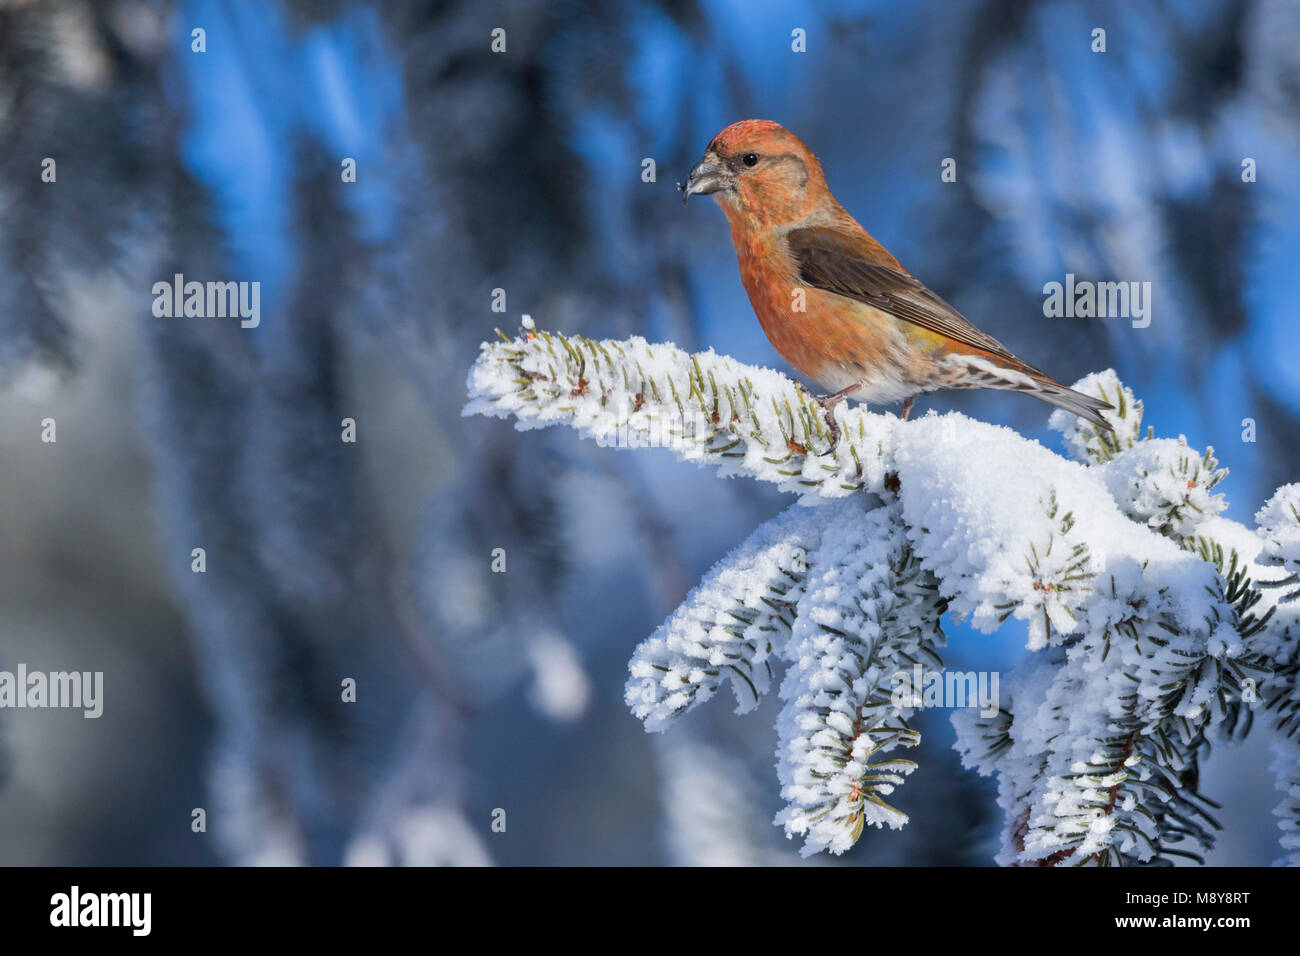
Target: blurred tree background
(522,171)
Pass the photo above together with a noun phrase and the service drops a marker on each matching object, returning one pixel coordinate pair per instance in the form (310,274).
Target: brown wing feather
(835,261)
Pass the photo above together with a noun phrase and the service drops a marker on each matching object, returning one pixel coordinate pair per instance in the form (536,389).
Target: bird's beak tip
(705,178)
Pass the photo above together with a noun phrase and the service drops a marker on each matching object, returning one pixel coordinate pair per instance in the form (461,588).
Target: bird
(835,303)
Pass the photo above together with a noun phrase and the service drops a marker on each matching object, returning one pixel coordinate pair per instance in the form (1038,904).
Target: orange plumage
(832,300)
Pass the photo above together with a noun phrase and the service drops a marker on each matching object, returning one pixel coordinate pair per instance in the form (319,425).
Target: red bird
(832,300)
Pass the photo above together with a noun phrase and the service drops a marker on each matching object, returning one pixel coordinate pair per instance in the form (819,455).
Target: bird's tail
(978,372)
(1076,403)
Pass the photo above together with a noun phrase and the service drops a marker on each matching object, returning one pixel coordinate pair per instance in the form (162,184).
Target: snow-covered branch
(1154,619)
(706,408)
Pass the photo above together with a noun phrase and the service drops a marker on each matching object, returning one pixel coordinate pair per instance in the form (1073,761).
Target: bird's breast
(831,339)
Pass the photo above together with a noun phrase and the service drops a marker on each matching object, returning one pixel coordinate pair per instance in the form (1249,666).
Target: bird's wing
(836,261)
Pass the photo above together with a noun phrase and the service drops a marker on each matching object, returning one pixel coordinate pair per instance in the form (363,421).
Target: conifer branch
(731,625)
(706,408)
(870,612)
(1152,618)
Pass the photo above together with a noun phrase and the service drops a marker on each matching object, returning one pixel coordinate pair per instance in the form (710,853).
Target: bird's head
(759,171)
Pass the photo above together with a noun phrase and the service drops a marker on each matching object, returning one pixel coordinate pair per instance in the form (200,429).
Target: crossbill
(832,300)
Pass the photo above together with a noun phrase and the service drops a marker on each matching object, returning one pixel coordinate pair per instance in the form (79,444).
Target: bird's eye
(751,159)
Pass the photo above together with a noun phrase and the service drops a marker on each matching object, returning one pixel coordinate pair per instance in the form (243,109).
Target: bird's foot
(828,403)
(907,408)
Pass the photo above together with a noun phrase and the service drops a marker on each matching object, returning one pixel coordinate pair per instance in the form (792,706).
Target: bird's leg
(828,402)
(907,408)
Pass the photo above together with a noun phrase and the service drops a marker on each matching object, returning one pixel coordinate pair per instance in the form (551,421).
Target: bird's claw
(828,403)
(833,426)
